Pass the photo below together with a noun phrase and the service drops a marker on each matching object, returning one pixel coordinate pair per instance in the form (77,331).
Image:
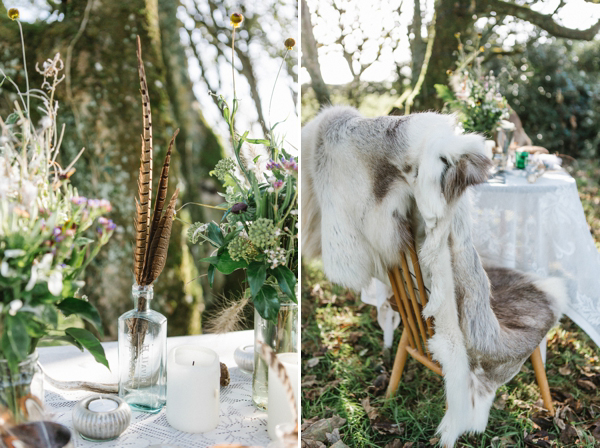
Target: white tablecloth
(539,228)
(240,422)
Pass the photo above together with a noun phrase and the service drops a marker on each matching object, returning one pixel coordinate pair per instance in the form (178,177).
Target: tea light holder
(99,418)
(244,358)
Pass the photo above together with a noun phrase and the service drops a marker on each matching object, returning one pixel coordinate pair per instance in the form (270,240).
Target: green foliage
(555,89)
(48,233)
(475,96)
(258,232)
(86,339)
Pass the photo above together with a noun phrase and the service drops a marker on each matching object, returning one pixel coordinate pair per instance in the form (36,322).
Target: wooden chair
(410,301)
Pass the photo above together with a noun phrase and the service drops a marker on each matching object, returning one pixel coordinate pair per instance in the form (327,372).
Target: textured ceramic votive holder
(99,418)
(244,358)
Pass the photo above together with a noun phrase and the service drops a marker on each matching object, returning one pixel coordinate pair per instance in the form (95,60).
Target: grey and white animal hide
(365,183)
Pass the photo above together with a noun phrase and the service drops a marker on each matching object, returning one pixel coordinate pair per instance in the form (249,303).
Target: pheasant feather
(160,245)
(161,194)
(152,230)
(145,177)
(142,211)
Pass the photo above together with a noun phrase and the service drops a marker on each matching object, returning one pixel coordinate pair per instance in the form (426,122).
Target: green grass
(343,334)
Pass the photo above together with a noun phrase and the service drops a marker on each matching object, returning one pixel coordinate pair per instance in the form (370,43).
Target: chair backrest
(411,297)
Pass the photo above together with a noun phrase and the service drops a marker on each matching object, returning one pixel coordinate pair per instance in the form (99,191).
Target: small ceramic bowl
(244,358)
(101,420)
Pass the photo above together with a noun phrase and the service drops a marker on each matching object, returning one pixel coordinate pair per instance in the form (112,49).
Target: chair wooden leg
(399,363)
(542,380)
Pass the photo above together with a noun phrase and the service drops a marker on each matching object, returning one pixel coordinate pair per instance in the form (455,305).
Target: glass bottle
(143,354)
(282,337)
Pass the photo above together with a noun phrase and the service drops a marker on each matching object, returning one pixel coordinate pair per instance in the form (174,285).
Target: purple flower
(106,225)
(79,200)
(273,165)
(290,165)
(238,208)
(93,203)
(278,185)
(105,204)
(56,232)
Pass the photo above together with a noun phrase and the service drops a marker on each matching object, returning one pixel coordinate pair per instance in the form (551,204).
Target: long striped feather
(158,253)
(161,194)
(145,176)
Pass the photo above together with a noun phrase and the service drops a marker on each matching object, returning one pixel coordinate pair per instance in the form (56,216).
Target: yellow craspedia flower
(13,13)
(457,35)
(289,43)
(236,19)
(448,72)
(481,49)
(479,35)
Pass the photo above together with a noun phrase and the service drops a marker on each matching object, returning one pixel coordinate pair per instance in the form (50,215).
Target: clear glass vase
(282,337)
(143,354)
(22,392)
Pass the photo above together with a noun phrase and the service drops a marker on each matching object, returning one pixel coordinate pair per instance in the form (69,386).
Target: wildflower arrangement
(49,233)
(258,231)
(474,95)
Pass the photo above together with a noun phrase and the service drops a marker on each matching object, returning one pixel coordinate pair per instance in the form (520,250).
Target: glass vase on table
(22,391)
(142,354)
(282,336)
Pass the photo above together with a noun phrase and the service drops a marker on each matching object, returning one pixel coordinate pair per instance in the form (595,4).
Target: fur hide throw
(368,184)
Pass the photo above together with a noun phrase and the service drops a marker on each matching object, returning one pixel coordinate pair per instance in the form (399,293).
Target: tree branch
(310,58)
(544,21)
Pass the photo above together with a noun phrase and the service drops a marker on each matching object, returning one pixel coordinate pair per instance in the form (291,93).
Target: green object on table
(522,159)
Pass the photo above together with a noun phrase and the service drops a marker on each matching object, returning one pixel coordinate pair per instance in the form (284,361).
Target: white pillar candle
(193,383)
(278,409)
(102,405)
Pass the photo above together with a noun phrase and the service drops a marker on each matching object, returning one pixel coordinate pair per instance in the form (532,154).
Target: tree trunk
(452,16)
(105,116)
(310,58)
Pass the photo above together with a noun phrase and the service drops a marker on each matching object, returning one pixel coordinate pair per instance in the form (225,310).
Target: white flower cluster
(276,257)
(41,271)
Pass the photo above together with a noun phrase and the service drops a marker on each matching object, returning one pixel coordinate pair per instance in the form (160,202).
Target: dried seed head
(236,19)
(289,43)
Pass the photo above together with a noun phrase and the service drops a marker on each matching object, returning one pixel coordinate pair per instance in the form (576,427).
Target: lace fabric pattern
(239,421)
(541,228)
